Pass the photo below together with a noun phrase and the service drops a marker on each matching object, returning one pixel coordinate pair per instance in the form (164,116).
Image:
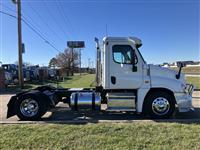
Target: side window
(122,54)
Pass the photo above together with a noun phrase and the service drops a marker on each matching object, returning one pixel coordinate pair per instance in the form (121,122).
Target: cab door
(123,75)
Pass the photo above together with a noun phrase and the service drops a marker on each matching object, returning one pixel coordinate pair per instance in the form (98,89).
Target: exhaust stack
(98,62)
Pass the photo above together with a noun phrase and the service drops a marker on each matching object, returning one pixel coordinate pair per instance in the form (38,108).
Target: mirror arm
(181,65)
(179,73)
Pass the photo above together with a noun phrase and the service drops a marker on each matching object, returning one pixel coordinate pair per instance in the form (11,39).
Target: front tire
(31,106)
(160,105)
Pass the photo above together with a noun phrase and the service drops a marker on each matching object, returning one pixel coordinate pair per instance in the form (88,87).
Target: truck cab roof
(135,40)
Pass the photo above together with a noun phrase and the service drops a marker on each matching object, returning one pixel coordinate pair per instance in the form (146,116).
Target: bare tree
(66,60)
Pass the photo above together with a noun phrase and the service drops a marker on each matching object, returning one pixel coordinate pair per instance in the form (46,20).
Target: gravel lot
(62,113)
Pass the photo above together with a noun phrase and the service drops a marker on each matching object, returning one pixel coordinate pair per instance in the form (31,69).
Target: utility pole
(20,61)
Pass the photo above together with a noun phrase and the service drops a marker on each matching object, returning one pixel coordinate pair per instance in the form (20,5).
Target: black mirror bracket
(180,65)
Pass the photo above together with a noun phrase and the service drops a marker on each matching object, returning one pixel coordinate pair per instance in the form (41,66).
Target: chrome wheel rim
(160,106)
(29,107)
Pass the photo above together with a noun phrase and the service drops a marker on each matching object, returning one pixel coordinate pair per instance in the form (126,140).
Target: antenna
(106,30)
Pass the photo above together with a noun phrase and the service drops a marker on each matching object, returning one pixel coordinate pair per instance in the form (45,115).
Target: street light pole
(20,61)
(80,61)
(72,73)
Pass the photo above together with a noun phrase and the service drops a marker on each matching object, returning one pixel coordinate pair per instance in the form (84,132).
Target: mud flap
(11,107)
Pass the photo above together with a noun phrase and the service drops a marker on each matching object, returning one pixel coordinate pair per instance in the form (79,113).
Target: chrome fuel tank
(85,100)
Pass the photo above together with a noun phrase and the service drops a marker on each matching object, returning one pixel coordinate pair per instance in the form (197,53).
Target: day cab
(124,82)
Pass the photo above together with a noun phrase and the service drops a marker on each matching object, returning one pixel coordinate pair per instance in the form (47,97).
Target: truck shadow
(63,116)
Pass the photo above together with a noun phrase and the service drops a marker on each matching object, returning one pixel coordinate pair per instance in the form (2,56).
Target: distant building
(189,63)
(185,62)
(165,64)
(197,63)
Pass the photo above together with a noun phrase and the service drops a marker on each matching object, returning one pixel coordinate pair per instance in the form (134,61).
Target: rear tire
(160,105)
(31,106)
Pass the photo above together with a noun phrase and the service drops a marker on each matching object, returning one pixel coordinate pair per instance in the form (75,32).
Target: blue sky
(169,29)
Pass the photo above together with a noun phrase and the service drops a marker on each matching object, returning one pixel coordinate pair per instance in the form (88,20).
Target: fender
(12,103)
(11,107)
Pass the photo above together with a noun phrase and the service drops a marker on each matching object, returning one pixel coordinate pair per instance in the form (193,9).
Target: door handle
(113,79)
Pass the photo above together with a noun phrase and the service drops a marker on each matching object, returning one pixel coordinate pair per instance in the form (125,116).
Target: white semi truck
(125,82)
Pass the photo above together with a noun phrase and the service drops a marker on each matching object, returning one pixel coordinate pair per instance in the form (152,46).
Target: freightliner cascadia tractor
(124,82)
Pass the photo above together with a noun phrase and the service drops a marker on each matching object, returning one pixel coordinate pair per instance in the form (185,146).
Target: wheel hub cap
(160,106)
(29,107)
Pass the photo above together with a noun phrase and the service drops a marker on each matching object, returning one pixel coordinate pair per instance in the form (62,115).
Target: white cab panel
(125,77)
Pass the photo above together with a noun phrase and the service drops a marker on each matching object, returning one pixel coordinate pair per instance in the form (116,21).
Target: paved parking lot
(62,113)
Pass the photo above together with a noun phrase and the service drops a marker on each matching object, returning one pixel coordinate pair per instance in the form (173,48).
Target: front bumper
(184,99)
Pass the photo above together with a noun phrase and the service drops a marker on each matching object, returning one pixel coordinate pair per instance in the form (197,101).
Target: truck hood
(164,72)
